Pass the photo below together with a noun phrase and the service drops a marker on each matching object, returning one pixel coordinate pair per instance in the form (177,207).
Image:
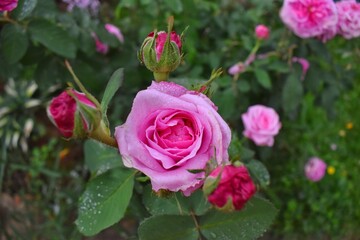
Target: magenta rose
(315,169)
(261,124)
(73,113)
(262,32)
(234,188)
(8,5)
(171,131)
(309,18)
(161,39)
(349,18)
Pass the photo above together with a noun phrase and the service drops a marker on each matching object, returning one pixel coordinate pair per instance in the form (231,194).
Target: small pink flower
(349,18)
(309,18)
(169,131)
(237,68)
(261,124)
(100,46)
(235,187)
(8,5)
(66,112)
(112,29)
(262,32)
(305,65)
(315,169)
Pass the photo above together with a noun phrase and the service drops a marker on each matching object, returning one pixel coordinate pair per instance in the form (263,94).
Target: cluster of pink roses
(322,18)
(173,135)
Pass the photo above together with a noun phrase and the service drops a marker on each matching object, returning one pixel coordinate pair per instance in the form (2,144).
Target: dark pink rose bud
(234,187)
(8,5)
(262,32)
(74,114)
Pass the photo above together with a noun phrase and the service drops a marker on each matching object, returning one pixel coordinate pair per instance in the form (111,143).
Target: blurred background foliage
(42,176)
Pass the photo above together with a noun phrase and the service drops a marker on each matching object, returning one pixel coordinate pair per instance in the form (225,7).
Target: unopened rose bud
(74,114)
(161,52)
(262,32)
(233,187)
(315,169)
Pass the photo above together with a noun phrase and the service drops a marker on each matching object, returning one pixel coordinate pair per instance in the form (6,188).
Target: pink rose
(113,30)
(8,5)
(262,32)
(309,18)
(237,68)
(72,113)
(261,125)
(100,46)
(315,169)
(349,18)
(234,188)
(171,131)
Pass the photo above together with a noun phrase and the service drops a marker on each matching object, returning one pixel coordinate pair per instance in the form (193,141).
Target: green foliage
(249,223)
(14,43)
(105,200)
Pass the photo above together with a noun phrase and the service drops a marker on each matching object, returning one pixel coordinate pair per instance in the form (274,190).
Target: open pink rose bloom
(169,131)
(310,18)
(261,124)
(349,18)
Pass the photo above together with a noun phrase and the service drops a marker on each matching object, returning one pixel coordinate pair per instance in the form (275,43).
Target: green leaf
(53,37)
(176,204)
(23,9)
(248,223)
(105,200)
(259,171)
(111,88)
(99,158)
(169,227)
(175,5)
(292,92)
(263,78)
(13,42)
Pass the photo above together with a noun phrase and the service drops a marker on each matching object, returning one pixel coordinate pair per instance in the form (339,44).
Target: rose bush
(310,18)
(261,125)
(171,131)
(315,169)
(234,189)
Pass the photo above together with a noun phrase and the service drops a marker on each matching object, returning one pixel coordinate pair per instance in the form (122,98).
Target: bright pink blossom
(305,65)
(170,131)
(309,18)
(65,109)
(113,30)
(8,5)
(262,32)
(101,47)
(349,18)
(261,124)
(315,169)
(235,187)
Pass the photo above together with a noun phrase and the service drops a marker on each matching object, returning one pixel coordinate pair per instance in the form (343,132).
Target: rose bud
(262,32)
(229,187)
(74,114)
(8,5)
(161,53)
(315,169)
